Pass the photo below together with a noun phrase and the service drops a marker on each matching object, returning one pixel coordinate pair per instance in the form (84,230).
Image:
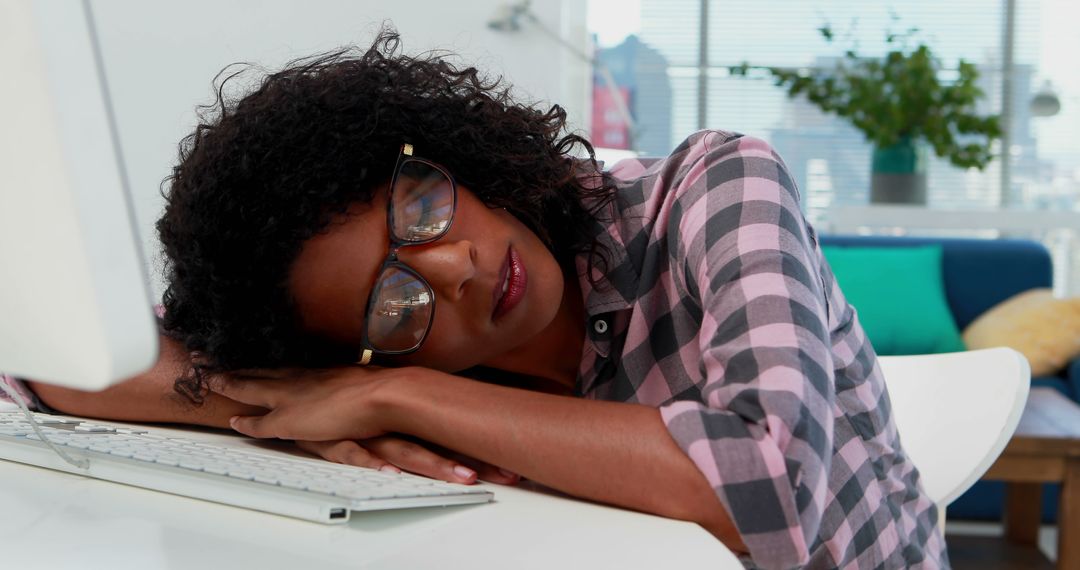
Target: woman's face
(332,277)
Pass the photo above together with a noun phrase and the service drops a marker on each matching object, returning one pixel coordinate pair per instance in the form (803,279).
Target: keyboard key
(216,469)
(241,474)
(83,428)
(188,463)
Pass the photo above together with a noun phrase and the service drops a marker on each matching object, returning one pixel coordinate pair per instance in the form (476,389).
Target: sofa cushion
(978,273)
(899,294)
(1044,329)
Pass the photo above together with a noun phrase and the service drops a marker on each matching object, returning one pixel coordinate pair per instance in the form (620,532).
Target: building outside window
(670,59)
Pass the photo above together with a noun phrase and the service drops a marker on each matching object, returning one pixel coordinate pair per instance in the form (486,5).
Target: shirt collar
(614,273)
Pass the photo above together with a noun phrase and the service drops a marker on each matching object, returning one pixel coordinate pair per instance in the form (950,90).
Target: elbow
(701,505)
(768,548)
(721,526)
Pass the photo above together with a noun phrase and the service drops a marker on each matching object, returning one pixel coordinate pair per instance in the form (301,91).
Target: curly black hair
(264,172)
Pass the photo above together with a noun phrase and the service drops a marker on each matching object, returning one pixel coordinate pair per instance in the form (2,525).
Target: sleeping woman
(392,262)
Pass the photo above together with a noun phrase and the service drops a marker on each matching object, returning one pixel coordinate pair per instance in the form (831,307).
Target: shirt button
(600,326)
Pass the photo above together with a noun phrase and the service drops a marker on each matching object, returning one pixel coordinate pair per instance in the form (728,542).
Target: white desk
(55,520)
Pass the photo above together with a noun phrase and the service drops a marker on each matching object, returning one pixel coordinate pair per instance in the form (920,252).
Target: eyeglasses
(401,306)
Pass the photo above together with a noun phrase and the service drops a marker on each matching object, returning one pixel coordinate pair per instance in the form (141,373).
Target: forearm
(615,453)
(148,397)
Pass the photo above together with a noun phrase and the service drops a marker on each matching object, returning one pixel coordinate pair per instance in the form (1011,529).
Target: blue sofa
(979,274)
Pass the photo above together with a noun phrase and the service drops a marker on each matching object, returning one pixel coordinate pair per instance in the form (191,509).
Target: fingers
(276,425)
(492,474)
(485,471)
(394,454)
(418,459)
(347,453)
(403,454)
(260,393)
(262,427)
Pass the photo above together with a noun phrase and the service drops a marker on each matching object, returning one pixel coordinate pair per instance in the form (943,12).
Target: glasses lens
(423,202)
(401,310)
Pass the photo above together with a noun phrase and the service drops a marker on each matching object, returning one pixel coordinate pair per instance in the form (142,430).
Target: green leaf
(898,95)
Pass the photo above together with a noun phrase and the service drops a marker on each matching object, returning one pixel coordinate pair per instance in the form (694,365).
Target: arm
(610,452)
(148,397)
(762,432)
(615,453)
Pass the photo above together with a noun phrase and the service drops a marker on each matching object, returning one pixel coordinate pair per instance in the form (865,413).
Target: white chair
(955,412)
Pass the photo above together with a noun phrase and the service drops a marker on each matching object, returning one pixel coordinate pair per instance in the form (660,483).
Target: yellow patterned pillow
(1044,329)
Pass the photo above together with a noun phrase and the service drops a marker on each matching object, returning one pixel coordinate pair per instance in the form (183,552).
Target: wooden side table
(1044,449)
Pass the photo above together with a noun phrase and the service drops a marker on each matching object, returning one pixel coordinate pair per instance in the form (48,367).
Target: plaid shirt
(718,308)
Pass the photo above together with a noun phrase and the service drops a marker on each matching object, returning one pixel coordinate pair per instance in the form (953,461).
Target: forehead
(331,277)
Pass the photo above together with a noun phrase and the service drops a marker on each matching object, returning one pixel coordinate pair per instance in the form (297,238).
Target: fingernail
(233,420)
(464,472)
(508,474)
(390,469)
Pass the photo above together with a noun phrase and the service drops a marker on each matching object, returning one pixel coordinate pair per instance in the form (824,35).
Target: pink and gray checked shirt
(719,309)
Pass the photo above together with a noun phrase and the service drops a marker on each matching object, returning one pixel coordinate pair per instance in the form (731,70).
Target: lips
(515,279)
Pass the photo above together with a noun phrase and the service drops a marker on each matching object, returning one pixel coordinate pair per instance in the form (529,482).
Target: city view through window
(671,70)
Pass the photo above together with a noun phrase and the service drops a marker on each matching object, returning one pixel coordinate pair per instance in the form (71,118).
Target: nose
(446,265)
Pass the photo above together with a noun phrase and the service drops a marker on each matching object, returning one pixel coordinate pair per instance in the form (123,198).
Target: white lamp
(1046,102)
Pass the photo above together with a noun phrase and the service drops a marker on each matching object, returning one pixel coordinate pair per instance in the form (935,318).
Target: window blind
(829,159)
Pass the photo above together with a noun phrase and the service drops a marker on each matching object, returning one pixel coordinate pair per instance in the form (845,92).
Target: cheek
(449,347)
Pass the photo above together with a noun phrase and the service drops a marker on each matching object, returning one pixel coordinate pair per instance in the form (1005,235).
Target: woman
(665,336)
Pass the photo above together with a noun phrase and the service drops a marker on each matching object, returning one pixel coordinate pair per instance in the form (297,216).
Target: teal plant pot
(899,173)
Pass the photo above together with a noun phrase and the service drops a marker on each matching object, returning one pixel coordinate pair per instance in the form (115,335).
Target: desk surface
(56,520)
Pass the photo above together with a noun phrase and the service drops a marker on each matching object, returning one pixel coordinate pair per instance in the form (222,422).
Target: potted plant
(901,106)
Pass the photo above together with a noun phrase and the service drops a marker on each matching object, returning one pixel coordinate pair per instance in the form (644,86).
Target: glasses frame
(367,350)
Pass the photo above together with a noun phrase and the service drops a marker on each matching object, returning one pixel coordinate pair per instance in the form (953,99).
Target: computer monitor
(75,303)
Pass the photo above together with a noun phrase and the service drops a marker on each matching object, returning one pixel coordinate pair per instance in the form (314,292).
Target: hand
(324,411)
(329,404)
(390,453)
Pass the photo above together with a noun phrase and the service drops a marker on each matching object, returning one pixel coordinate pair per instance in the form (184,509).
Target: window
(672,61)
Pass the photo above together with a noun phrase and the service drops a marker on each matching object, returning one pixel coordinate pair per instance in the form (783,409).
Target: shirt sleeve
(762,431)
(20,388)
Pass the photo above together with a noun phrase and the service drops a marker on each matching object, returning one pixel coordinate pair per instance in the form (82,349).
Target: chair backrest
(955,412)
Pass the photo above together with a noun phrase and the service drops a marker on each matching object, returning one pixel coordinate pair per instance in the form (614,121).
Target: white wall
(160,58)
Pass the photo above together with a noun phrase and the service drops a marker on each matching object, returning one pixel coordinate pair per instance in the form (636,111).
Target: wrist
(401,401)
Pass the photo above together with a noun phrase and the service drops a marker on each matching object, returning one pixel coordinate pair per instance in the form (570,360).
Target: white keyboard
(302,488)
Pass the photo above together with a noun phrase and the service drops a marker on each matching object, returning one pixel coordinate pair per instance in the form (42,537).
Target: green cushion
(899,294)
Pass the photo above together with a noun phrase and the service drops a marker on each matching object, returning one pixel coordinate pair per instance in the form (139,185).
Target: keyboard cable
(80,463)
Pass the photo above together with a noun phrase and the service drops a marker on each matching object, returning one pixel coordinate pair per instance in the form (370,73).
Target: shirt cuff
(23,390)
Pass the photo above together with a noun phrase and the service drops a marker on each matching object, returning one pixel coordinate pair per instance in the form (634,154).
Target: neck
(554,354)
